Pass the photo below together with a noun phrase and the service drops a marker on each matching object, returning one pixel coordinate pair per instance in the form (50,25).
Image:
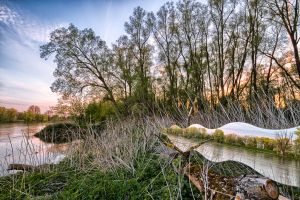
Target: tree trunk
(256,187)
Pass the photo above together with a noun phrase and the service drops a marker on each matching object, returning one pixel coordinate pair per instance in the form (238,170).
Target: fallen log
(221,187)
(26,167)
(256,187)
(23,167)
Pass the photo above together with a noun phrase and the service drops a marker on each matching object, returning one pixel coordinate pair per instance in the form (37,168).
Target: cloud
(25,77)
(26,25)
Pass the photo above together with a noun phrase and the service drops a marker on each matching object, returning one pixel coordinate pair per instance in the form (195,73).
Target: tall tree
(164,31)
(288,13)
(84,62)
(124,61)
(34,109)
(139,30)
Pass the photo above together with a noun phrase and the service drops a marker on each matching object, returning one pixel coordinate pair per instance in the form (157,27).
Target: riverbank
(282,146)
(123,162)
(153,177)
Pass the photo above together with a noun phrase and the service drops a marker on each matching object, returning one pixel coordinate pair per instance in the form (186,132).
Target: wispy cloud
(26,25)
(25,77)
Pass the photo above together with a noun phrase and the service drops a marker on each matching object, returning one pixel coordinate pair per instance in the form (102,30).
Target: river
(284,171)
(19,145)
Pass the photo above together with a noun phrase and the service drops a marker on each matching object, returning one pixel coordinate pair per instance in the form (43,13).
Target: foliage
(8,114)
(175,130)
(266,143)
(196,133)
(83,60)
(218,136)
(32,115)
(297,142)
(100,111)
(210,51)
(60,133)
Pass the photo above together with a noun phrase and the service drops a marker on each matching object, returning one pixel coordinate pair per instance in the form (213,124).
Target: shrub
(175,130)
(297,142)
(230,139)
(250,141)
(218,136)
(199,133)
(100,111)
(266,143)
(283,145)
(60,133)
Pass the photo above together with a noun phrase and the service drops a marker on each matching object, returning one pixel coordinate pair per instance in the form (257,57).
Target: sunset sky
(25,78)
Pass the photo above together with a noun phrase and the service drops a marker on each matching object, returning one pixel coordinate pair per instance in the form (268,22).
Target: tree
(124,61)
(34,109)
(84,62)
(287,14)
(8,114)
(139,30)
(164,32)
(297,142)
(283,140)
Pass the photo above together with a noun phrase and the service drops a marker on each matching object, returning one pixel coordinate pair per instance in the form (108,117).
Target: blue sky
(25,78)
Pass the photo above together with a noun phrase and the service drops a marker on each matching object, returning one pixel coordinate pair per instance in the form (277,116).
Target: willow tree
(84,62)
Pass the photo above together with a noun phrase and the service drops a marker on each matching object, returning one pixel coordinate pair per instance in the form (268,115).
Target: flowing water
(19,145)
(284,171)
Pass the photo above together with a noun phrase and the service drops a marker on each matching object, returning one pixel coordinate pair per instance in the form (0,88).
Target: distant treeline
(33,114)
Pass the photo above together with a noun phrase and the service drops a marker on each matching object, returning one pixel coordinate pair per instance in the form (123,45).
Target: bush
(100,111)
(266,143)
(60,133)
(297,142)
(175,130)
(230,139)
(198,133)
(250,141)
(218,136)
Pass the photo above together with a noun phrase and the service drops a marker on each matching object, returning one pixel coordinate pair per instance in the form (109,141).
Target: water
(284,171)
(18,145)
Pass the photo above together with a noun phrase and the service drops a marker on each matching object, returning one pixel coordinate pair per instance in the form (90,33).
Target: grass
(125,161)
(153,179)
(121,162)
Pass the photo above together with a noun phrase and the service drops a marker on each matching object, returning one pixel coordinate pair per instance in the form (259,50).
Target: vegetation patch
(60,133)
(154,178)
(281,146)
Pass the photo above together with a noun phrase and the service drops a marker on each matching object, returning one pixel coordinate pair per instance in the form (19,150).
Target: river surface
(19,145)
(284,171)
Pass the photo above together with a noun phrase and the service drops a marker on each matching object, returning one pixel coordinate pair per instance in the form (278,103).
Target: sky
(25,25)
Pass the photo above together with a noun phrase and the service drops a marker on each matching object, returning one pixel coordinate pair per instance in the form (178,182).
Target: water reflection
(281,170)
(18,145)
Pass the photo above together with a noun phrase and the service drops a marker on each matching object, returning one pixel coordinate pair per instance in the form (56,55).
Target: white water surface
(19,145)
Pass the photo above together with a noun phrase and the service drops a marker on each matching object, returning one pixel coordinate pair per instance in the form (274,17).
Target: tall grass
(127,159)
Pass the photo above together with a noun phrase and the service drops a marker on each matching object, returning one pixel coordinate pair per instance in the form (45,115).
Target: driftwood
(245,187)
(25,167)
